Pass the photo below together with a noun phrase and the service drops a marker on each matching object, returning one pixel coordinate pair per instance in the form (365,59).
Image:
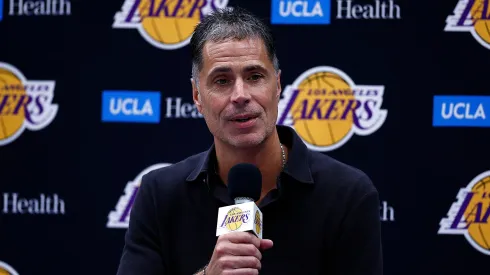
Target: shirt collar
(297,166)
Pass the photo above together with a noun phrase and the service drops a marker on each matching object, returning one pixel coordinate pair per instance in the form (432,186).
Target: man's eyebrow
(220,69)
(225,69)
(253,68)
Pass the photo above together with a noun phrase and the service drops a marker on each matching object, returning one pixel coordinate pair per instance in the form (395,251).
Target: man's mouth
(243,118)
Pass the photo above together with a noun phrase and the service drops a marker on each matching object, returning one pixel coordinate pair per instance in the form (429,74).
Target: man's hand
(237,253)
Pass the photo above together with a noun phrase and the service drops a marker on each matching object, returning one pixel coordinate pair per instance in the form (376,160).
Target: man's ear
(196,96)
(279,88)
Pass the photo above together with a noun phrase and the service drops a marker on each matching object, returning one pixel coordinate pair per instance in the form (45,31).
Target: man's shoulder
(176,173)
(338,175)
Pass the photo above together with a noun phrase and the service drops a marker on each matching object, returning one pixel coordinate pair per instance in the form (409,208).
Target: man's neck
(267,157)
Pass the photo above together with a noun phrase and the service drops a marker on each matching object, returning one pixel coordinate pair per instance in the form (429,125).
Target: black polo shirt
(323,218)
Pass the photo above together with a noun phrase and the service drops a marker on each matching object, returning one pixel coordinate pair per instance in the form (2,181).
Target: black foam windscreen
(245,180)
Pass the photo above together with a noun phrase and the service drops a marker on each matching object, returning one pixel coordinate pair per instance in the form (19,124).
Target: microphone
(245,187)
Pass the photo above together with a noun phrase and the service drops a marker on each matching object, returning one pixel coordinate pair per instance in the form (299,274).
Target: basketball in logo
(470,214)
(471,16)
(6,269)
(258,222)
(320,87)
(11,122)
(25,104)
(478,211)
(233,219)
(480,16)
(326,108)
(165,24)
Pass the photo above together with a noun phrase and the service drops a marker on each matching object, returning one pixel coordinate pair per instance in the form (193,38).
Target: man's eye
(255,77)
(221,81)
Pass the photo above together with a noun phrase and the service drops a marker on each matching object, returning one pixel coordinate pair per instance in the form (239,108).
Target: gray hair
(229,23)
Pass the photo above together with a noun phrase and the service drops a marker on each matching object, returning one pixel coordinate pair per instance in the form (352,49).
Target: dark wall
(75,163)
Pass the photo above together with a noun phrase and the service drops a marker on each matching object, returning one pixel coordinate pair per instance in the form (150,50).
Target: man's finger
(243,249)
(266,244)
(236,262)
(242,237)
(241,271)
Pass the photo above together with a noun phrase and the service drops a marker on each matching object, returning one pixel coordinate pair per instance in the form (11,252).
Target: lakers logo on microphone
(235,218)
(165,24)
(258,222)
(470,214)
(24,104)
(326,108)
(240,218)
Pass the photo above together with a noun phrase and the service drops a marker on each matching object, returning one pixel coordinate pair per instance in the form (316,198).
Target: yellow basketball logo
(471,16)
(165,24)
(6,269)
(326,108)
(234,219)
(24,104)
(470,215)
(258,222)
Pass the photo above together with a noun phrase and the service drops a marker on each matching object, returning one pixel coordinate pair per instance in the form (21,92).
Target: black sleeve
(142,250)
(359,250)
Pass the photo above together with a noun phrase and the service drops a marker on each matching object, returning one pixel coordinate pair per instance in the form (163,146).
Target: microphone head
(245,180)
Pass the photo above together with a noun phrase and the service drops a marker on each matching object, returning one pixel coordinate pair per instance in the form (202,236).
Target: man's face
(238,92)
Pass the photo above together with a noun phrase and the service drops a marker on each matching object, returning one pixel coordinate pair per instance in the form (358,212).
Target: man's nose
(240,93)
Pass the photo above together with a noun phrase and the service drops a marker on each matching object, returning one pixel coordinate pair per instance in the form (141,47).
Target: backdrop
(93,94)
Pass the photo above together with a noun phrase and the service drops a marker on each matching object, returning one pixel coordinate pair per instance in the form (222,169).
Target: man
(320,216)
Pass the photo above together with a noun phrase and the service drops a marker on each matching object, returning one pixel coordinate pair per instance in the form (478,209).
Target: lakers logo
(119,218)
(471,16)
(24,104)
(6,269)
(165,24)
(235,218)
(326,108)
(470,215)
(258,222)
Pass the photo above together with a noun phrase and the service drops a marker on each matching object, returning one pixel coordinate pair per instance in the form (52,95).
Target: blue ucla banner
(131,106)
(301,12)
(471,111)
